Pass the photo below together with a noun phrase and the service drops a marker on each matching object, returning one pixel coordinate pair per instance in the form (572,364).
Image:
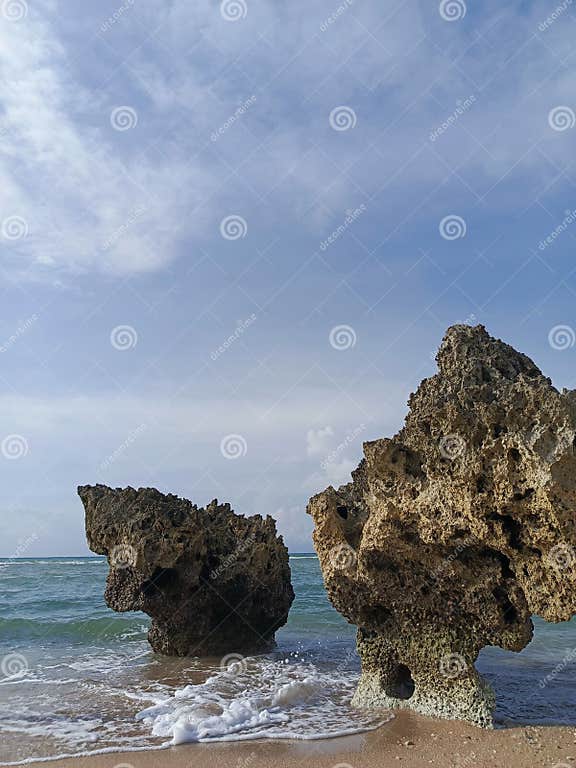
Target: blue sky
(233,234)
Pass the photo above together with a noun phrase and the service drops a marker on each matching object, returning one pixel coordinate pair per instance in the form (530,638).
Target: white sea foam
(89,561)
(270,699)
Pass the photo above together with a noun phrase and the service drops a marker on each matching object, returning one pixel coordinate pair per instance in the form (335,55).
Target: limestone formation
(455,531)
(213,582)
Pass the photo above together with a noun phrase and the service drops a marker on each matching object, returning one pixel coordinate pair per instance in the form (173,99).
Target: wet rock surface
(455,531)
(213,582)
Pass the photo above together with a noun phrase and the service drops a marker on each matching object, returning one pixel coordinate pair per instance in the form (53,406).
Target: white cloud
(61,172)
(78,183)
(319,441)
(339,472)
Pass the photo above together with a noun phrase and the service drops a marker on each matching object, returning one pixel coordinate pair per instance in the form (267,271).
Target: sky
(233,234)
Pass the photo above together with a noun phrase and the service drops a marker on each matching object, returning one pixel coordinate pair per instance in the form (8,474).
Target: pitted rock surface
(455,531)
(212,581)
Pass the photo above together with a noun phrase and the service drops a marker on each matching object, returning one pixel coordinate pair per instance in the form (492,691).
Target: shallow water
(75,677)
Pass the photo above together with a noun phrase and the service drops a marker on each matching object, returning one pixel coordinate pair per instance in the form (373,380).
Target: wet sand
(409,741)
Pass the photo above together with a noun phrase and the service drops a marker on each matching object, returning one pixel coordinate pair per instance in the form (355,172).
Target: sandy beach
(409,740)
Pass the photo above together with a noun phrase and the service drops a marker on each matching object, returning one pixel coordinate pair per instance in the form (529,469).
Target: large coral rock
(212,581)
(454,532)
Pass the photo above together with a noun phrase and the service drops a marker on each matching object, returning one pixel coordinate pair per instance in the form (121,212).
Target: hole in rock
(509,612)
(520,496)
(514,454)
(161,579)
(511,528)
(400,685)
(343,512)
(507,572)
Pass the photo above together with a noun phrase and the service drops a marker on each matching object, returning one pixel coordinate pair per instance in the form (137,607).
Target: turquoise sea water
(76,677)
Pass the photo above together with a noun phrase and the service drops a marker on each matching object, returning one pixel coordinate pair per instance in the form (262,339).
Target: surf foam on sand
(262,698)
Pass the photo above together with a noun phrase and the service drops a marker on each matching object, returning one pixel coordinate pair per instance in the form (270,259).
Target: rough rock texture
(454,532)
(212,581)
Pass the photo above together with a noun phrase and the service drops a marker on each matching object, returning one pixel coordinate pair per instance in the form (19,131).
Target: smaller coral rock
(213,582)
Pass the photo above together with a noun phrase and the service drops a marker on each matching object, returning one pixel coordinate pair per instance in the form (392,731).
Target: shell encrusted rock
(213,582)
(456,531)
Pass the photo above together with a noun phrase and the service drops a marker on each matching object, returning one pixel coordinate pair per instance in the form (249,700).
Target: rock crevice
(454,532)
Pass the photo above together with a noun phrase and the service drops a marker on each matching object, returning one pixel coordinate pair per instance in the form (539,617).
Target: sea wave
(5,562)
(104,628)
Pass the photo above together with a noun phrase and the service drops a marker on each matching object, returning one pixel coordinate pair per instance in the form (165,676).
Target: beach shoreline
(408,740)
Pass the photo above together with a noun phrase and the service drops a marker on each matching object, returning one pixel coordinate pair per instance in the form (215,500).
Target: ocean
(76,678)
